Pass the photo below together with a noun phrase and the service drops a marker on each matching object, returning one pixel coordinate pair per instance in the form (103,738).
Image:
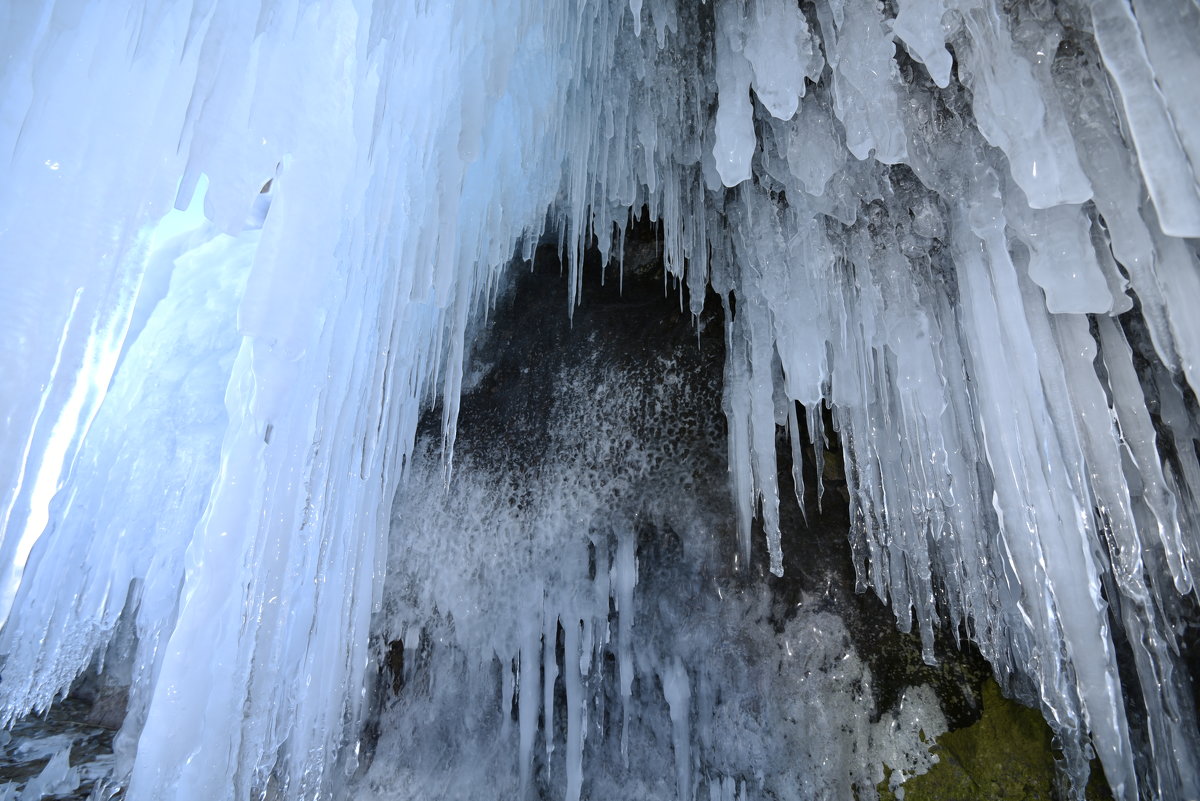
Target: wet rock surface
(637,320)
(532,351)
(1006,755)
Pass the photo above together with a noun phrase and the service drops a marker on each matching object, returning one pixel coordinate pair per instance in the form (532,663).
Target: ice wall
(968,227)
(222,416)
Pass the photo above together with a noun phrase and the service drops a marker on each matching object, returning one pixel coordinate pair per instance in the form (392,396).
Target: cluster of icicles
(968,229)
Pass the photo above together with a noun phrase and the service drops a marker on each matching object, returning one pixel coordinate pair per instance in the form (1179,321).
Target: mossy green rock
(1005,756)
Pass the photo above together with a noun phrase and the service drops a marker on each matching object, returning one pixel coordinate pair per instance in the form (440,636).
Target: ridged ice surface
(968,227)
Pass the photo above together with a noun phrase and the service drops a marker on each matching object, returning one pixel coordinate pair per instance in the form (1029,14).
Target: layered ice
(966,228)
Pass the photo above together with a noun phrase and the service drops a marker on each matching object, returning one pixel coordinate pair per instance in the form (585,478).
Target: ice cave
(711,400)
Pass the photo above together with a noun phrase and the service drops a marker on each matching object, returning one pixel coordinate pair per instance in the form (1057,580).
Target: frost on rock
(967,231)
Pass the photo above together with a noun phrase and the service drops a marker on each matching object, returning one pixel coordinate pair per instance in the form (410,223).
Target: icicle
(797,459)
(734,141)
(549,676)
(816,435)
(234,408)
(677,690)
(1137,435)
(1165,165)
(529,702)
(624,579)
(919,25)
(576,709)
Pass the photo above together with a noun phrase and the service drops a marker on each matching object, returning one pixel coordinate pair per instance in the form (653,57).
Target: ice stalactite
(965,227)
(231,491)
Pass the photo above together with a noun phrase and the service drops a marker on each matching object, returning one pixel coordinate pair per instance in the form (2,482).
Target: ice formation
(967,227)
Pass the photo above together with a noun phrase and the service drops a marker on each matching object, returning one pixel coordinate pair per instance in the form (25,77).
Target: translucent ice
(919,26)
(964,235)
(779,48)
(734,143)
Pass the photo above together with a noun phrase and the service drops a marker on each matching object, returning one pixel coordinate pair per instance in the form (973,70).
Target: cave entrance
(566,611)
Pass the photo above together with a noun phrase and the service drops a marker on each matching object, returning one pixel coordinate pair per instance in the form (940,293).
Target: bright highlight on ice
(967,227)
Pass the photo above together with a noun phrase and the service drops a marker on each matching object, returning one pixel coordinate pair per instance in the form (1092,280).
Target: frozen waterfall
(247,246)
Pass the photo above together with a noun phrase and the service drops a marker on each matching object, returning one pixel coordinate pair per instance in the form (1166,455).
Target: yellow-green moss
(1005,756)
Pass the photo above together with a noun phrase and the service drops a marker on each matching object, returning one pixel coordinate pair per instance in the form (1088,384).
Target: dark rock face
(535,348)
(636,323)
(544,386)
